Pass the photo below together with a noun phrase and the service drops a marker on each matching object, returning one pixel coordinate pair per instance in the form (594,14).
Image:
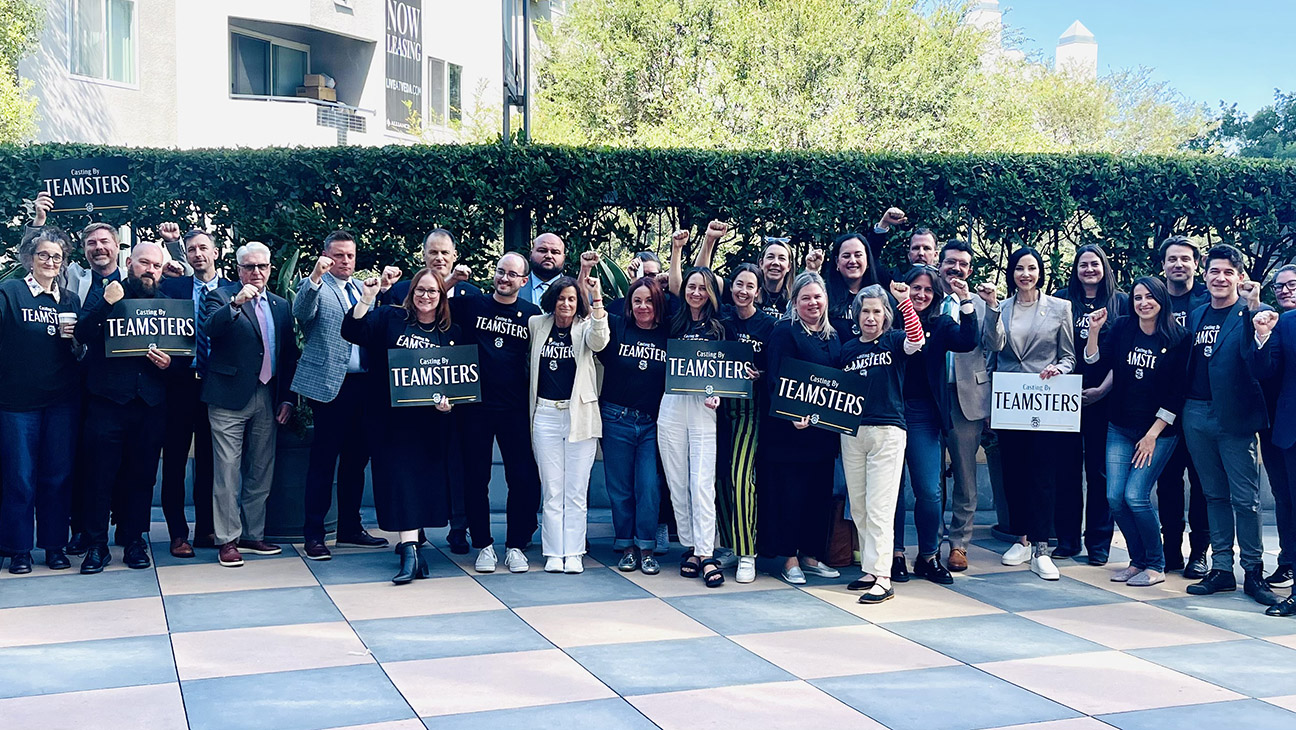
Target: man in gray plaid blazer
(333,377)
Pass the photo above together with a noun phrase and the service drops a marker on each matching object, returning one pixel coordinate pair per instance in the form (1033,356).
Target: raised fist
(390,275)
(322,266)
(960,289)
(988,293)
(247,292)
(679,239)
(814,260)
(716,229)
(594,287)
(590,259)
(633,268)
(899,290)
(169,231)
(44,203)
(173,268)
(1097,319)
(1250,291)
(892,217)
(460,273)
(114,292)
(371,288)
(1264,322)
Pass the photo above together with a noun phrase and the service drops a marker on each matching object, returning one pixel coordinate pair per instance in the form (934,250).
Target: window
(445,87)
(456,97)
(102,39)
(266,67)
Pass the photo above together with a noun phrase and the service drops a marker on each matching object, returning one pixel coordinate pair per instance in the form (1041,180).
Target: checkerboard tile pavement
(288,644)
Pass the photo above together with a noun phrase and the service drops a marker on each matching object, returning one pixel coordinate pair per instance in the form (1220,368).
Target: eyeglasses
(424,291)
(254,267)
(509,274)
(1285,286)
(46,257)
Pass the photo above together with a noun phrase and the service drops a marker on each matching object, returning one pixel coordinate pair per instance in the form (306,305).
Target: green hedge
(624,200)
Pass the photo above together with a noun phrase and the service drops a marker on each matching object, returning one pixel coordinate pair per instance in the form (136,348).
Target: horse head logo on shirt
(710,390)
(499,342)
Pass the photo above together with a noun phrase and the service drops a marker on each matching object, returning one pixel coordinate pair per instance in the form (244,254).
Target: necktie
(201,341)
(351,294)
(262,317)
(950,307)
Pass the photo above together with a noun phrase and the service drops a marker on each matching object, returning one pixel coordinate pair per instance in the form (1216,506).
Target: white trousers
(873,462)
(564,481)
(686,438)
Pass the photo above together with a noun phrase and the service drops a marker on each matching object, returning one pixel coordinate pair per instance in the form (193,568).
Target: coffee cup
(66,318)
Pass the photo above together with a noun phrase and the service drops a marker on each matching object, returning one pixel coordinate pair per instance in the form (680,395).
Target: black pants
(340,447)
(1277,466)
(1030,480)
(482,426)
(1085,497)
(794,508)
(186,423)
(120,448)
(1170,503)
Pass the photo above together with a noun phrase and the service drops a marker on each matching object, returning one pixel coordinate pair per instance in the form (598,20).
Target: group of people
(1180,377)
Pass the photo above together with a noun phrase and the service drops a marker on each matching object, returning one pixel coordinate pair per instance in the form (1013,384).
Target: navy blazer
(181,287)
(1277,359)
(235,360)
(1235,392)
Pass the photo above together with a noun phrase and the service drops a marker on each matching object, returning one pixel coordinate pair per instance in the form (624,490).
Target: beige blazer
(971,379)
(1053,342)
(588,337)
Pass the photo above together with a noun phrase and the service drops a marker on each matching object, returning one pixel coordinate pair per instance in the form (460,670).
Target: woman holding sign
(796,479)
(416,455)
(873,458)
(565,423)
(1038,339)
(927,411)
(39,404)
(1147,359)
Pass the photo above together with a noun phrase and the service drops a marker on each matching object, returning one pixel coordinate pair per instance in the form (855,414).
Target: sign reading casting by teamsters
(425,377)
(698,367)
(1023,402)
(832,400)
(136,325)
(87,185)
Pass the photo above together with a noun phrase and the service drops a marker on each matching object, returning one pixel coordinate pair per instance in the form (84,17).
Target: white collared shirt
(36,289)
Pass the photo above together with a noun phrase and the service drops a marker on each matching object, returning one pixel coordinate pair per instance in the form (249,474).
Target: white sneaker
(553,564)
(1018,554)
(1042,565)
(663,540)
(821,570)
(516,561)
(486,560)
(746,569)
(573,564)
(727,558)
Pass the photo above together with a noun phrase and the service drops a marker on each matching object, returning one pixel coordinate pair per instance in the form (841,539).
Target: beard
(137,288)
(543,273)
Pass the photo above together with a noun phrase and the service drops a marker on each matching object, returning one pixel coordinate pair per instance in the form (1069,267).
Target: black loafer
(1196,568)
(1281,578)
(1254,585)
(77,546)
(362,539)
(1285,608)
(1216,581)
(458,541)
(96,559)
(861,584)
(885,595)
(57,560)
(899,570)
(136,555)
(20,563)
(932,570)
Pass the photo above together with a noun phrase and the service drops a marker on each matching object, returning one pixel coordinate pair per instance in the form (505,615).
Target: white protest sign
(1024,402)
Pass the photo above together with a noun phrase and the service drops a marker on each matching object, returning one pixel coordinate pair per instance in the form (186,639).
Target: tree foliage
(21,22)
(1269,133)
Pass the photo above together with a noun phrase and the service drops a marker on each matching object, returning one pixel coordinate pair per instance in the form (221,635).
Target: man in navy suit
(186,414)
(1274,353)
(250,363)
(1224,412)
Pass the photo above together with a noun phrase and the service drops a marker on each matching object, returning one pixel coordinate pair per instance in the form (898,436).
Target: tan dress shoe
(957,559)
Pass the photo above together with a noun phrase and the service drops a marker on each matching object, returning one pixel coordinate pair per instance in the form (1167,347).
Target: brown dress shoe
(957,560)
(259,547)
(317,550)
(229,556)
(181,548)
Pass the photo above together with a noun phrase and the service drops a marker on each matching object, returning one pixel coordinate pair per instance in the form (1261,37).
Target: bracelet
(596,301)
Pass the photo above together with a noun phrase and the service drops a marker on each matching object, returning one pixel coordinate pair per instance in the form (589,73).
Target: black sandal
(713,578)
(688,569)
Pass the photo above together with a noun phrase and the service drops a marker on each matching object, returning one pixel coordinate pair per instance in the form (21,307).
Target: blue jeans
(1129,493)
(923,465)
(630,471)
(36,455)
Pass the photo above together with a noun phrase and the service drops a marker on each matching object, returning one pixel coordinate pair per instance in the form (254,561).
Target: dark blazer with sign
(1051,343)
(234,364)
(1236,395)
(1277,359)
(119,379)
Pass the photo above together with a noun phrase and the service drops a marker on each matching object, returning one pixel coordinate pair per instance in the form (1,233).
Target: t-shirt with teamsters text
(503,345)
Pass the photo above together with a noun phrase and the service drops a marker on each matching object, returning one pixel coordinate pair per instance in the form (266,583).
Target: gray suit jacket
(1053,342)
(971,379)
(325,355)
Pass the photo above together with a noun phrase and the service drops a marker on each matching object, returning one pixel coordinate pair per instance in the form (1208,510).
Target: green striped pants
(736,492)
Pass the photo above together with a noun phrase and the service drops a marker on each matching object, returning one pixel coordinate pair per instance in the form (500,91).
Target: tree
(827,74)
(1269,133)
(21,22)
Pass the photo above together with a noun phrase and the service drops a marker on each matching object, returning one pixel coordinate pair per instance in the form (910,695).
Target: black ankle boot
(409,563)
(424,564)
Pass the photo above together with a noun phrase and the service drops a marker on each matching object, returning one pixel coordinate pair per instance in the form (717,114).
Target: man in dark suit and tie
(186,414)
(253,352)
(1274,357)
(125,405)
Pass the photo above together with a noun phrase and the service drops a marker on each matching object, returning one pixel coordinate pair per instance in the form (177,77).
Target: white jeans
(873,462)
(686,438)
(564,481)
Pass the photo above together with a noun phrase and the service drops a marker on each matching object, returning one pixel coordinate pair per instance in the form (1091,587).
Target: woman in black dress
(416,455)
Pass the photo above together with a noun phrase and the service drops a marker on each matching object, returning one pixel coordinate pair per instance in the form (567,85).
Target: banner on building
(88,184)
(404,77)
(833,400)
(134,326)
(428,376)
(1024,402)
(698,367)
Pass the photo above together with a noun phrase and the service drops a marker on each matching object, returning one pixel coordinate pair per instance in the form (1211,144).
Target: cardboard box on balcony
(317,92)
(317,80)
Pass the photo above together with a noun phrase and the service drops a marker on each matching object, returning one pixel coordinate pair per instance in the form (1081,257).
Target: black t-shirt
(881,363)
(557,365)
(1081,308)
(37,366)
(1147,376)
(503,345)
(1184,304)
(755,331)
(697,329)
(1199,387)
(634,366)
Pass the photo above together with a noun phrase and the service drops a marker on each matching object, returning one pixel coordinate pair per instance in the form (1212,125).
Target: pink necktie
(265,339)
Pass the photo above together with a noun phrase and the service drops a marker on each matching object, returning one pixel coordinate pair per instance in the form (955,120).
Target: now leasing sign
(1024,402)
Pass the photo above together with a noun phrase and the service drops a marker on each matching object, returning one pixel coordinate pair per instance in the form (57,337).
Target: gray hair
(873,291)
(647,256)
(37,236)
(1280,270)
(251,247)
(804,279)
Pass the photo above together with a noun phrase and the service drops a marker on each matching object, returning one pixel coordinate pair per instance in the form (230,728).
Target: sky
(1208,50)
